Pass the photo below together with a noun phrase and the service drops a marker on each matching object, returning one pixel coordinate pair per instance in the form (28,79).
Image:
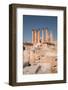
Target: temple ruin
(47,37)
(40,55)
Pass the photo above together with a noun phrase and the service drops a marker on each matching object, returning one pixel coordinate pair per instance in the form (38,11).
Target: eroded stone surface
(40,57)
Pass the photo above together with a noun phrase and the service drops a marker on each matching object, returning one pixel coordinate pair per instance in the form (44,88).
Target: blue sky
(39,22)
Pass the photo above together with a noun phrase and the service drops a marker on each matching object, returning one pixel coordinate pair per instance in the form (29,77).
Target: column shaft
(42,36)
(47,39)
(35,36)
(38,36)
(51,37)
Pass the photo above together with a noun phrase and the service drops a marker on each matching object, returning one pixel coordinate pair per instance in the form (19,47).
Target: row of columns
(35,36)
(46,36)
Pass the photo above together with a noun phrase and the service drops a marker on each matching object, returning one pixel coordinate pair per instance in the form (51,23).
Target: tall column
(38,36)
(35,36)
(32,36)
(42,36)
(51,37)
(47,39)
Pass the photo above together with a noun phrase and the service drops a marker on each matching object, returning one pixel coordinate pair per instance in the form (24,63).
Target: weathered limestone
(51,37)
(31,70)
(46,36)
(47,39)
(40,56)
(38,36)
(43,38)
(32,57)
(33,36)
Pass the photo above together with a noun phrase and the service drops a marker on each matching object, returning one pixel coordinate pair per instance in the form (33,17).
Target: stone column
(35,36)
(32,36)
(38,36)
(47,39)
(42,36)
(51,37)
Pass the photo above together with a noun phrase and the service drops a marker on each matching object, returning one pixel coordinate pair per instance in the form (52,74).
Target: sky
(38,22)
